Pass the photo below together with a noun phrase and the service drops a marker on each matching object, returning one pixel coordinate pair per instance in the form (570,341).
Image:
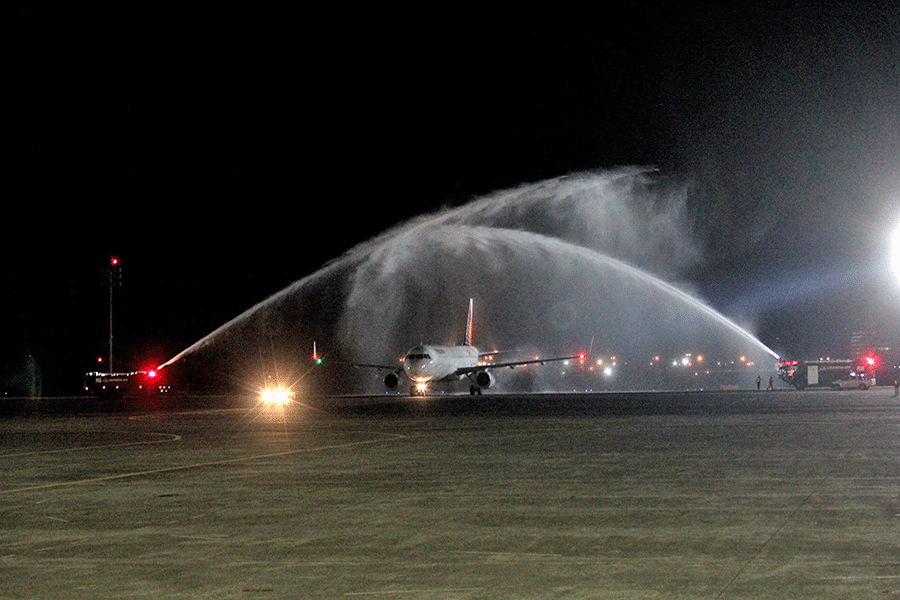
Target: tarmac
(694,495)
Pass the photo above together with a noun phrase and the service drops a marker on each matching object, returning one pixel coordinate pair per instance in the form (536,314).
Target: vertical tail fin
(469,324)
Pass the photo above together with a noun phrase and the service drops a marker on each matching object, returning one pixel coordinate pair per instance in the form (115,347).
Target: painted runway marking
(420,591)
(817,485)
(172,438)
(46,486)
(859,577)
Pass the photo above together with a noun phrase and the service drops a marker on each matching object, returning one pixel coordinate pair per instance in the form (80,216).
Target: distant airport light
(151,373)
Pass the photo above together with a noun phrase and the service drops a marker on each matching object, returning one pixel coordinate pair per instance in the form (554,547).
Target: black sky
(224,154)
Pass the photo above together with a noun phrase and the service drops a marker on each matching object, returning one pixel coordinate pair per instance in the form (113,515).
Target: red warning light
(151,373)
(114,261)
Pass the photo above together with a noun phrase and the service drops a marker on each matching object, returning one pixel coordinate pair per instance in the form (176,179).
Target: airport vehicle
(430,363)
(862,381)
(124,384)
(834,373)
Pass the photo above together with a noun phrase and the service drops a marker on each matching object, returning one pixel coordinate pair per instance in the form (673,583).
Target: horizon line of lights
(686,360)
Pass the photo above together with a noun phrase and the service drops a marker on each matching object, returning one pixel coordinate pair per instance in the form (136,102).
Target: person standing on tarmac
(896,388)
(758,382)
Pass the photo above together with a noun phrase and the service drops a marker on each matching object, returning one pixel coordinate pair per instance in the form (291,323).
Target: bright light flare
(276,396)
(421,387)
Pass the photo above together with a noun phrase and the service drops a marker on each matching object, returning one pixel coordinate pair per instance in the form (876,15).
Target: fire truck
(833,373)
(133,383)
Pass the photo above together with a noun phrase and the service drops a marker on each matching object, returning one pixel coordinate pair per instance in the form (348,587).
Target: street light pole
(113,279)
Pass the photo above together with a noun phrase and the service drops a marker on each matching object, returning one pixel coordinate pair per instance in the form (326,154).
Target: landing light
(276,396)
(421,387)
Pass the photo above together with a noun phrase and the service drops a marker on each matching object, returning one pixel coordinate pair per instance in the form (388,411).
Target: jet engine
(484,379)
(391,380)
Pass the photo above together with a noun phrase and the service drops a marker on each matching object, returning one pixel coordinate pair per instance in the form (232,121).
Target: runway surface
(625,496)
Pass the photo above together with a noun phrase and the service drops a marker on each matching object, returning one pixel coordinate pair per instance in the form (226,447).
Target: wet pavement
(625,496)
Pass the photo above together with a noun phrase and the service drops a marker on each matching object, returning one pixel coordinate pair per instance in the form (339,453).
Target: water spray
(588,243)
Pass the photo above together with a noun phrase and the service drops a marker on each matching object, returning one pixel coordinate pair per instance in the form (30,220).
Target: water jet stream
(548,264)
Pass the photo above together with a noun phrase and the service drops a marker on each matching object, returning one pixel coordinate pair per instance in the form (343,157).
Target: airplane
(424,364)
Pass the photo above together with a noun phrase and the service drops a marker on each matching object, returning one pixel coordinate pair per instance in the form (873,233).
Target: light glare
(276,395)
(895,253)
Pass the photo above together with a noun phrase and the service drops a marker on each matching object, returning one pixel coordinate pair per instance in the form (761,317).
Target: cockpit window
(419,357)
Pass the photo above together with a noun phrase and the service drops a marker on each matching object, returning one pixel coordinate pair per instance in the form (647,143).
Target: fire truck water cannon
(829,373)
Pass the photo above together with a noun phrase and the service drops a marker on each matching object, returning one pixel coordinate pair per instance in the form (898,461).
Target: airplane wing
(318,358)
(512,365)
(383,367)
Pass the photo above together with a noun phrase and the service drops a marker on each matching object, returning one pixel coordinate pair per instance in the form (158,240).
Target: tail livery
(468,341)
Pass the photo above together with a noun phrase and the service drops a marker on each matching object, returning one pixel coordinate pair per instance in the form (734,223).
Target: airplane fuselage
(438,363)
(429,362)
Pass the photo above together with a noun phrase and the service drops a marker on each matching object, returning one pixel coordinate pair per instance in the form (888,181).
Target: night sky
(222,155)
